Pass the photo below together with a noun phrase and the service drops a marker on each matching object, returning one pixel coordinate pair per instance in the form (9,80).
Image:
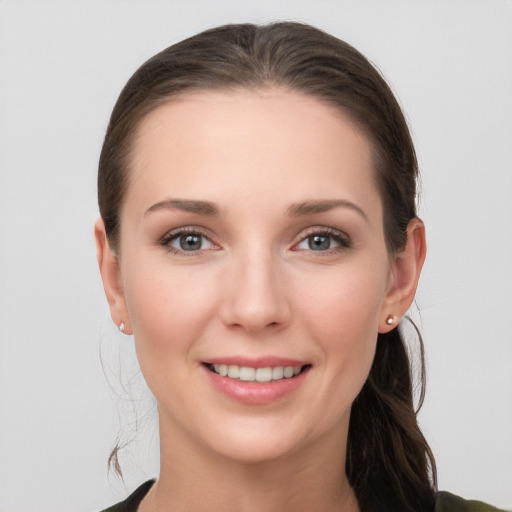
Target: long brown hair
(389,463)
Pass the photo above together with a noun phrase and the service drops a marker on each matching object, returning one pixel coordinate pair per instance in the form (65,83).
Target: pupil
(190,242)
(319,243)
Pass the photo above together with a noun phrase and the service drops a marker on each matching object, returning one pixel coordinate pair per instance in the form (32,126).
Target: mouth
(250,374)
(258,381)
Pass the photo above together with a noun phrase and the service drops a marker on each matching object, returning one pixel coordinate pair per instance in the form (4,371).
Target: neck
(192,479)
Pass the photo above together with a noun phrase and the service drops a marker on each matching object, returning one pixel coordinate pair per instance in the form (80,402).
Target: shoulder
(447,502)
(131,503)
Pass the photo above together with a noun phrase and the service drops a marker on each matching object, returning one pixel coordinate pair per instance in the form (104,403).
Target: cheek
(169,308)
(344,301)
(343,311)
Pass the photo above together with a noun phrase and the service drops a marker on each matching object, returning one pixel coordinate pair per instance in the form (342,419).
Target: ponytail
(389,463)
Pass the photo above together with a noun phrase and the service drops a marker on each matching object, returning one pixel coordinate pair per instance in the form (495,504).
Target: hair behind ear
(389,462)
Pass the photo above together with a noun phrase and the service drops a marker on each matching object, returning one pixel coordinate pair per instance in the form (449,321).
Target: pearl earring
(390,320)
(121,327)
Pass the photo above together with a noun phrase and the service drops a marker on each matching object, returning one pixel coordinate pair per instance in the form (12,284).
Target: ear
(111,277)
(406,267)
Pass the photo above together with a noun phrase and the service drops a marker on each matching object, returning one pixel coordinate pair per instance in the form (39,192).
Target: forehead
(277,105)
(248,139)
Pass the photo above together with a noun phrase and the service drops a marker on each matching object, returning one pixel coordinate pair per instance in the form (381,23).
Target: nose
(256,298)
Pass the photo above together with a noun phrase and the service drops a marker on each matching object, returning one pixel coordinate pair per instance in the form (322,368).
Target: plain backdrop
(62,65)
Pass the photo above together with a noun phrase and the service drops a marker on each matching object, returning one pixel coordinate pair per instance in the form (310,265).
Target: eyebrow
(294,210)
(321,206)
(186,205)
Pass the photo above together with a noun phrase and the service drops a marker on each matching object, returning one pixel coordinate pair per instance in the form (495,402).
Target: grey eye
(323,242)
(319,242)
(190,242)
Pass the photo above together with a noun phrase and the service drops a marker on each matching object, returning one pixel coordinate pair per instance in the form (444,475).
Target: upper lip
(259,362)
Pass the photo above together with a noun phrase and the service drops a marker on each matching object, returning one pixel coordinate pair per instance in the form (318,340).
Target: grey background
(62,64)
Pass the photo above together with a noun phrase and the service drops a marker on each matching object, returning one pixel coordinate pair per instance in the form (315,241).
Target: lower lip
(255,393)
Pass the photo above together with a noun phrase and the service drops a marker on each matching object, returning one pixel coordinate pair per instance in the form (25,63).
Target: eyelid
(341,237)
(344,240)
(176,232)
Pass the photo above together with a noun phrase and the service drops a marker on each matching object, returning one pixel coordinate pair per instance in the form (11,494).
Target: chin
(256,453)
(253,444)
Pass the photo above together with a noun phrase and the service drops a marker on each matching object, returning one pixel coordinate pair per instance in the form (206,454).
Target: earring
(390,320)
(121,327)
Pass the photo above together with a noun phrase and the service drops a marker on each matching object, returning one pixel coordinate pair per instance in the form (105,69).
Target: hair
(389,463)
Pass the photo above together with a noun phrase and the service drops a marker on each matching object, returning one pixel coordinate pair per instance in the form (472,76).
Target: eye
(187,241)
(322,241)
(319,242)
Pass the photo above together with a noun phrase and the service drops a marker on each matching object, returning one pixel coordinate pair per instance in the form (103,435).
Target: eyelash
(344,241)
(166,240)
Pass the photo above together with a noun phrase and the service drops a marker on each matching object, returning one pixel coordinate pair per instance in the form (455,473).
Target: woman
(259,238)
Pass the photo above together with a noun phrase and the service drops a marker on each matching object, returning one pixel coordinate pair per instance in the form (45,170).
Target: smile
(256,382)
(249,374)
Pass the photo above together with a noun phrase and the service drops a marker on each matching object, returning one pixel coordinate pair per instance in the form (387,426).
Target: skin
(255,288)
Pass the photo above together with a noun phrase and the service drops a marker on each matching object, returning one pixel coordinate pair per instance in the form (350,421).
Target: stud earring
(121,327)
(390,320)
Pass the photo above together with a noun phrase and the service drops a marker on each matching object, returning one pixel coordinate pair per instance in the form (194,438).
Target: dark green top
(446,502)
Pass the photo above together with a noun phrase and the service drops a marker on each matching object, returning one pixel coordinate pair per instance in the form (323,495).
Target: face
(253,270)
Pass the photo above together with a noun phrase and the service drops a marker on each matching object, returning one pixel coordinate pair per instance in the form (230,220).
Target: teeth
(277,373)
(249,374)
(233,371)
(264,374)
(288,372)
(221,369)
